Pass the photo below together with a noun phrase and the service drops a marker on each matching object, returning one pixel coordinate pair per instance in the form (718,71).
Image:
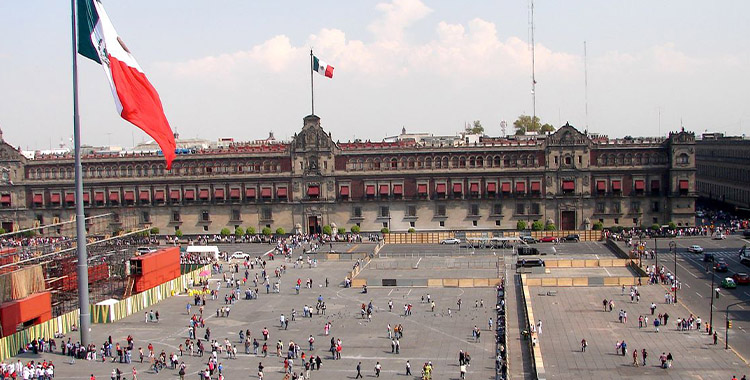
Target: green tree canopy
(178,233)
(355,229)
(250,230)
(280,231)
(475,128)
(524,124)
(266,231)
(521,225)
(537,226)
(239,231)
(327,230)
(225,231)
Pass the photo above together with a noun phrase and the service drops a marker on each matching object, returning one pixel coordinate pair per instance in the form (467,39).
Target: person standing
(359,371)
(583,345)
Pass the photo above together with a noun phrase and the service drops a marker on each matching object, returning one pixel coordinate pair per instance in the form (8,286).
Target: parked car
(728,283)
(741,278)
(451,241)
(721,266)
(145,250)
(239,255)
(572,237)
(695,248)
(719,236)
(548,239)
(528,239)
(527,263)
(522,250)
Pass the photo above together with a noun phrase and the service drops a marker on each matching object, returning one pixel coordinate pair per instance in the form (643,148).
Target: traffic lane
(731,242)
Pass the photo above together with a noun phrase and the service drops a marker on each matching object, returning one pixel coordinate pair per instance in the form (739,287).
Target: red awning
(190,194)
(474,187)
(98,197)
(422,188)
(219,193)
(536,186)
(520,187)
(5,198)
(281,192)
(114,196)
(370,189)
(640,184)
(491,187)
(655,184)
(249,193)
(38,198)
(684,184)
(54,198)
(130,195)
(601,185)
(384,190)
(458,188)
(344,192)
(568,185)
(398,189)
(440,189)
(266,192)
(505,187)
(616,185)
(235,193)
(69,198)
(144,195)
(203,194)
(174,194)
(159,195)
(313,191)
(85,197)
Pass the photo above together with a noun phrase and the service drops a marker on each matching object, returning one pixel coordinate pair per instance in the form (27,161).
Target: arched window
(454,162)
(462,162)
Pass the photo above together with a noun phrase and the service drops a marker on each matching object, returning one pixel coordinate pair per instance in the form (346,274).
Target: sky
(239,68)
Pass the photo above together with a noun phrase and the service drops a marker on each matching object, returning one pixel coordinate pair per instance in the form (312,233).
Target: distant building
(414,181)
(723,169)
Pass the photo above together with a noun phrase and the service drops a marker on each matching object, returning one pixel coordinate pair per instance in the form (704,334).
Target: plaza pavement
(428,336)
(577,313)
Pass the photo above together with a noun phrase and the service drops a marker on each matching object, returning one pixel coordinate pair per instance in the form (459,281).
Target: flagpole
(83,272)
(312,86)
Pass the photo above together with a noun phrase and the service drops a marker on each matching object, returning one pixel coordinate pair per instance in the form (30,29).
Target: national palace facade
(568,178)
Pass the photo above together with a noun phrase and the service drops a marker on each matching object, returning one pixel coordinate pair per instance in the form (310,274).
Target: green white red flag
(136,99)
(322,68)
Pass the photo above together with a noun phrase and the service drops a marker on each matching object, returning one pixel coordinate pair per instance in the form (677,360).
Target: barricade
(63,324)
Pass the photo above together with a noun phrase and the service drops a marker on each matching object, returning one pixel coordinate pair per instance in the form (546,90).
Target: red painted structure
(69,279)
(29,311)
(155,268)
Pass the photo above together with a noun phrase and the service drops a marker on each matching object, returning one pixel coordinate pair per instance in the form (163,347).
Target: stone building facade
(723,169)
(568,178)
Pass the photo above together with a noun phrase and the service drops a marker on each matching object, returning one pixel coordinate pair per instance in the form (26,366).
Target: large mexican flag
(136,99)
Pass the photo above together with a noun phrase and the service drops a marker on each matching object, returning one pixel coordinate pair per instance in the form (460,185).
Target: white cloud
(397,16)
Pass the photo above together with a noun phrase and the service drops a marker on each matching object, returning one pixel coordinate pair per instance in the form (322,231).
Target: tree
(266,231)
(2,230)
(672,225)
(598,226)
(154,230)
(341,230)
(521,225)
(537,226)
(475,128)
(412,230)
(239,231)
(250,230)
(225,231)
(384,230)
(355,229)
(327,230)
(178,233)
(526,124)
(655,226)
(550,227)
(280,231)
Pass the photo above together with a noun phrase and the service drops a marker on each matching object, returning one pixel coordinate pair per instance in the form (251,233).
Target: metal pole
(726,329)
(312,88)
(673,247)
(83,272)
(656,254)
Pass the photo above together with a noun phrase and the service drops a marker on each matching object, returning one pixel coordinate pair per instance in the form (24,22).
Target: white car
(239,255)
(719,236)
(695,249)
(451,241)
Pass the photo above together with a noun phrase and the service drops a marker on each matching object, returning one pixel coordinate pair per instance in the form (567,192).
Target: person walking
(716,338)
(359,371)
(408,368)
(583,345)
(377,369)
(644,354)
(462,368)
(635,358)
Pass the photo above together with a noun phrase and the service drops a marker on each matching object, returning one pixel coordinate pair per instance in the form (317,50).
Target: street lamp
(727,325)
(711,309)
(673,248)
(656,254)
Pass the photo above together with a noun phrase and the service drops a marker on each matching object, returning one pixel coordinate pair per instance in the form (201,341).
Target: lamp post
(711,309)
(640,250)
(656,254)
(727,324)
(673,248)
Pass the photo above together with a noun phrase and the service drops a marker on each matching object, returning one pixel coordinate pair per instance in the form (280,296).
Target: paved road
(695,292)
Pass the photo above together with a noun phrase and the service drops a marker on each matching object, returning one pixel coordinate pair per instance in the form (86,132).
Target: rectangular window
(266,213)
(635,206)
(236,215)
(412,224)
(474,223)
(411,211)
(145,217)
(385,224)
(474,210)
(497,209)
(440,210)
(520,209)
(536,209)
(498,222)
(205,228)
(205,217)
(616,207)
(442,223)
(357,212)
(176,216)
(384,212)
(617,220)
(655,207)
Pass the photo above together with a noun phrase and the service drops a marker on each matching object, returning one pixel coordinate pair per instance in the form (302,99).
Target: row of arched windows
(630,159)
(156,170)
(442,162)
